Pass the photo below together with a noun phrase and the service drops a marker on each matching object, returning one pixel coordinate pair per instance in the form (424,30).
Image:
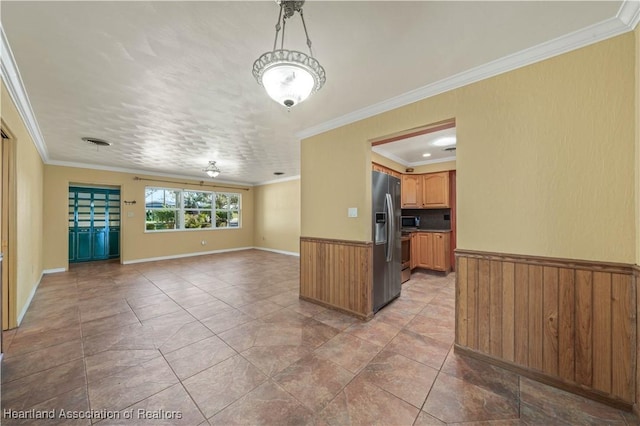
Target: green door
(94,224)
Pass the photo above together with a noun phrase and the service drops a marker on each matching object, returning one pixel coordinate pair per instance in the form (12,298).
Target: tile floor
(224,339)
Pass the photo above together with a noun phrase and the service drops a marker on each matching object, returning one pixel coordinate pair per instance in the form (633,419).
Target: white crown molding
(391,156)
(142,172)
(629,13)
(439,160)
(271,182)
(626,19)
(415,163)
(12,80)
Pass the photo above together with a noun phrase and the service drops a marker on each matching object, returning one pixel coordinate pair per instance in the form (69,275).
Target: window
(175,209)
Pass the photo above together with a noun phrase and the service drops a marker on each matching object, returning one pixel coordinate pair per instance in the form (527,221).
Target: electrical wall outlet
(352,212)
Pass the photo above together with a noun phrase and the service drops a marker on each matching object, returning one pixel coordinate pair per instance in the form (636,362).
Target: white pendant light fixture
(212,170)
(289,76)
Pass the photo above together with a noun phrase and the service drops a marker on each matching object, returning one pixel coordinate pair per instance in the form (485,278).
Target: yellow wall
(543,159)
(29,172)
(136,244)
(637,153)
(277,216)
(377,158)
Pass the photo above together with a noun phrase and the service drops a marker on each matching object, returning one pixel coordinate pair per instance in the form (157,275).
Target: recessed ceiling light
(96,141)
(451,140)
(426,154)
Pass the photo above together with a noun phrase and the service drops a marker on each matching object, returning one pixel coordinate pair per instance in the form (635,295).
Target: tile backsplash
(432,218)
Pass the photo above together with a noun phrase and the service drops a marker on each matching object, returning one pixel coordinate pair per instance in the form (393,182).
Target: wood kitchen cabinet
(411,191)
(428,191)
(431,250)
(441,250)
(415,251)
(435,190)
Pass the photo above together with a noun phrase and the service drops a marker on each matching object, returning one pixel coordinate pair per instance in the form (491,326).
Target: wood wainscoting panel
(571,322)
(338,274)
(566,324)
(550,354)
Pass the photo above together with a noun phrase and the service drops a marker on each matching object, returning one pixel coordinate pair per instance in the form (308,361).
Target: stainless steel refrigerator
(386,239)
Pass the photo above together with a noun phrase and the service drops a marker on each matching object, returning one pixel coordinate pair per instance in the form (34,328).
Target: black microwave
(410,221)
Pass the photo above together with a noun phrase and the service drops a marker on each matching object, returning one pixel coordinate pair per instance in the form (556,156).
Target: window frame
(181,210)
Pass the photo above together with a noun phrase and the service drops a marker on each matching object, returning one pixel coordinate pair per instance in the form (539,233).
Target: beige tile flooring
(223,339)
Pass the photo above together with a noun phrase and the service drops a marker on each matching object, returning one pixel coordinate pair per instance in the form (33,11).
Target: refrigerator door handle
(390,227)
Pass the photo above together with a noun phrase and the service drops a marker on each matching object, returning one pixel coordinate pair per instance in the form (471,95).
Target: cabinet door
(435,190)
(415,251)
(425,244)
(411,191)
(439,252)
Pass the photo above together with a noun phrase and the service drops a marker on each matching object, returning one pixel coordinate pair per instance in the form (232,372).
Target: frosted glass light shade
(288,76)
(287,84)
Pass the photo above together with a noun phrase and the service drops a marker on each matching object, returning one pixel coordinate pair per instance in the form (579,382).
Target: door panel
(83,247)
(94,224)
(114,243)
(99,238)
(72,246)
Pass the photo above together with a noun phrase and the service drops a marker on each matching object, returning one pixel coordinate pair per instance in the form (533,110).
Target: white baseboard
(179,256)
(288,253)
(53,271)
(29,299)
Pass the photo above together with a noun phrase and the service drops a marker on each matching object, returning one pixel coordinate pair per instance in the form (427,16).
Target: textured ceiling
(170,84)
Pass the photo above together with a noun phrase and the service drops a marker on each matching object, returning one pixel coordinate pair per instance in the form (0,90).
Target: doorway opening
(94,223)
(8,228)
(424,160)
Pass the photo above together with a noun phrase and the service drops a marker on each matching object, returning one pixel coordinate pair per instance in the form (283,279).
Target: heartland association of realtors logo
(139,414)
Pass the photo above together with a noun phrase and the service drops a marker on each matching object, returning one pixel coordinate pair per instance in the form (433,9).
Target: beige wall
(136,244)
(377,158)
(637,152)
(29,221)
(277,216)
(543,159)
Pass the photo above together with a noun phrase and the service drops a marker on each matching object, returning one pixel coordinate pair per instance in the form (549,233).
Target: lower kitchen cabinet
(431,250)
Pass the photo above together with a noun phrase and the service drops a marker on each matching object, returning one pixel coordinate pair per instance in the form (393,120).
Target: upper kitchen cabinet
(411,192)
(435,190)
(428,191)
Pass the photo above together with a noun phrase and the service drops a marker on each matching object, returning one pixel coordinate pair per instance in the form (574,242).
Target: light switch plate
(352,212)
(129,214)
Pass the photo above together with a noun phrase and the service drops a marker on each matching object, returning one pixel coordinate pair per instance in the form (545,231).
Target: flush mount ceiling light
(212,170)
(96,141)
(426,154)
(289,76)
(445,141)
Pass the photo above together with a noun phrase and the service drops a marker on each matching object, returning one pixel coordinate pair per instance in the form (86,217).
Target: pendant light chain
(304,25)
(284,26)
(275,42)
